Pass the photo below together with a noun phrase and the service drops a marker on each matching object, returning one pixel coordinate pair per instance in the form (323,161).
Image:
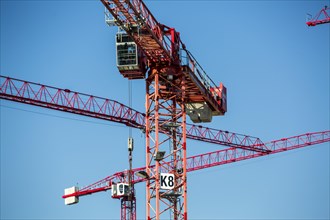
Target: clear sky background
(276,70)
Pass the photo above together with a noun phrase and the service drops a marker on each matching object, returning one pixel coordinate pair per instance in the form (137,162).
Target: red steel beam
(231,155)
(225,138)
(69,101)
(134,13)
(317,20)
(106,109)
(212,159)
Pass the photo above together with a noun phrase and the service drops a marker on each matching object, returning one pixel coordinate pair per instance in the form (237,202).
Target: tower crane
(240,147)
(321,18)
(176,85)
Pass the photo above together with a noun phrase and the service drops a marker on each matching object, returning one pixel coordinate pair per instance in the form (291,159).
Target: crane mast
(174,87)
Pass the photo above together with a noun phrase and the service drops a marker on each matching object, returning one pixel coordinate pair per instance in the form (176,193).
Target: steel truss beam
(106,109)
(321,18)
(212,159)
(69,101)
(136,19)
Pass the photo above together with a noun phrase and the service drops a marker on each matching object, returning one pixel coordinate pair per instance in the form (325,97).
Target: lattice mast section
(166,145)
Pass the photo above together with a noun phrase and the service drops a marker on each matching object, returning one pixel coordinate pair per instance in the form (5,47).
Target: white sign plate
(167,181)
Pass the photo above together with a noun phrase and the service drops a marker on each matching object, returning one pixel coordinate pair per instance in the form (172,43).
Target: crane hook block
(130,144)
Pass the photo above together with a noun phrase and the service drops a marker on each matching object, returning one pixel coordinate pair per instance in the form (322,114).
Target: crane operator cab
(119,190)
(130,60)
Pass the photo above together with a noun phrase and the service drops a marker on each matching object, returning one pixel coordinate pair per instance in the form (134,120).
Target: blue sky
(276,70)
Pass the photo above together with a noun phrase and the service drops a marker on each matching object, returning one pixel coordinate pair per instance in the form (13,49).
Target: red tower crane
(321,18)
(176,85)
(240,147)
